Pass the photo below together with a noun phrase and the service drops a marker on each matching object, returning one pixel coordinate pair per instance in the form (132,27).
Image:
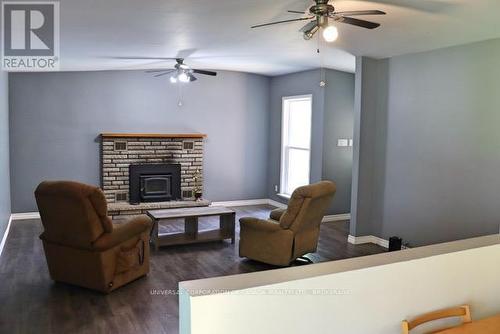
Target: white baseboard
(337,218)
(368,239)
(260,201)
(4,238)
(245,202)
(25,215)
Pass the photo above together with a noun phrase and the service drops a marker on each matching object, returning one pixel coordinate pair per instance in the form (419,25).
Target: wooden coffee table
(191,234)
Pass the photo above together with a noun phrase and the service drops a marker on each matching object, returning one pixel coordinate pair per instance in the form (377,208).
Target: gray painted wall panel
(332,119)
(56,118)
(4,153)
(338,123)
(437,175)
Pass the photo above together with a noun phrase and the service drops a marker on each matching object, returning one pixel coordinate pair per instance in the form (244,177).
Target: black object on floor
(395,244)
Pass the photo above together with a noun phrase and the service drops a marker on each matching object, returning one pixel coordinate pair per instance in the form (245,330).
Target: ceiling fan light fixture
(330,34)
(183,77)
(173,79)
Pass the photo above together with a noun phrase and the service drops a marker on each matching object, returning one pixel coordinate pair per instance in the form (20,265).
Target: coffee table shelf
(171,239)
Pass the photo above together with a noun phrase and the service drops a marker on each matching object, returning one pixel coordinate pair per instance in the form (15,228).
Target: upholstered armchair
(82,246)
(291,233)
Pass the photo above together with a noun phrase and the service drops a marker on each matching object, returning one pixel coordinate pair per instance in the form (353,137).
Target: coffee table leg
(154,237)
(233,227)
(227,225)
(191,227)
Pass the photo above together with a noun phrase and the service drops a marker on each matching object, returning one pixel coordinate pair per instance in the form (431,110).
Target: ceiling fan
(320,15)
(181,72)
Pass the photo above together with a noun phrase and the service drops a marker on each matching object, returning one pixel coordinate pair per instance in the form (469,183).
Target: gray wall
(338,123)
(4,153)
(55,119)
(435,165)
(332,119)
(369,144)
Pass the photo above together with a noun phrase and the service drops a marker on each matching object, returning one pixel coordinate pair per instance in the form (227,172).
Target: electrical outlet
(276,188)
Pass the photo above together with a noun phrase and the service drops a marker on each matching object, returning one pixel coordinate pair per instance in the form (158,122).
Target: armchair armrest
(260,224)
(122,233)
(276,214)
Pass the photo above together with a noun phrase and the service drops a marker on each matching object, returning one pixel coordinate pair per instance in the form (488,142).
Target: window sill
(285,196)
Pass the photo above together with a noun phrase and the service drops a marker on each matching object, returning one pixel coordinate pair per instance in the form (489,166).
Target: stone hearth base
(125,210)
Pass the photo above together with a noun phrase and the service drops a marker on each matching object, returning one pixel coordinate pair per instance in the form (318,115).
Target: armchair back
(73,214)
(307,206)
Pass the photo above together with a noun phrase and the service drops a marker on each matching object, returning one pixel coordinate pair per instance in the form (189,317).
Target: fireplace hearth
(154,183)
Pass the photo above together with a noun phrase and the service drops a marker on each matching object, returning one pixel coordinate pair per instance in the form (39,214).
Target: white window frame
(285,148)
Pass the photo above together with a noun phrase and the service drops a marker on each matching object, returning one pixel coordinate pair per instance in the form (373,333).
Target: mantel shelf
(153,135)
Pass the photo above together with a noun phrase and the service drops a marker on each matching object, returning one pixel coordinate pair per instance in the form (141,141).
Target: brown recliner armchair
(82,246)
(291,233)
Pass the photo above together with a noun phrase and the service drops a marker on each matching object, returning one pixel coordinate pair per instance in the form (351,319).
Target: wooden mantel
(152,135)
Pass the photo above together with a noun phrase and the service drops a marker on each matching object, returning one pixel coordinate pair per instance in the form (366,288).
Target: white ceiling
(218,31)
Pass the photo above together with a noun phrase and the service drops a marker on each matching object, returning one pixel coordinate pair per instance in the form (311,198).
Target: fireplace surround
(119,151)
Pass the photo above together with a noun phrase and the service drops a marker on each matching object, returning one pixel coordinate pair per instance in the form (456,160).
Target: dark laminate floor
(31,303)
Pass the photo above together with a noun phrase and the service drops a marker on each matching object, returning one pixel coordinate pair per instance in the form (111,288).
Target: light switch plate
(343,142)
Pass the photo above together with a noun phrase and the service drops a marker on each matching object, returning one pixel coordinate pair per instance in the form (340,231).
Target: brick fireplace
(121,151)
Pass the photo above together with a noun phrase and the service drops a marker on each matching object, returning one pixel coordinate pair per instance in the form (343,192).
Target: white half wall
(364,295)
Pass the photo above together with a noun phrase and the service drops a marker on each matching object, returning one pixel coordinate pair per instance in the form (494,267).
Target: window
(295,143)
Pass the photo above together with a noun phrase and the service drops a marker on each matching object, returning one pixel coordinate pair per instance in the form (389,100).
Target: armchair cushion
(100,205)
(294,206)
(276,214)
(265,241)
(123,232)
(259,224)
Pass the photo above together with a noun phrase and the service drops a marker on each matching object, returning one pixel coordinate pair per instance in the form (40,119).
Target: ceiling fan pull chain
(180,102)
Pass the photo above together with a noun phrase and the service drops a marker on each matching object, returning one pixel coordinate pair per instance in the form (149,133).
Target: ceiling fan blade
(430,6)
(359,23)
(159,71)
(144,58)
(360,12)
(162,74)
(284,21)
(183,54)
(309,26)
(297,11)
(205,72)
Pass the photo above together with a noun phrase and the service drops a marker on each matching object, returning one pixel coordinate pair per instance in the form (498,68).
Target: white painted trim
(284,145)
(284,196)
(25,215)
(4,238)
(367,239)
(261,201)
(337,218)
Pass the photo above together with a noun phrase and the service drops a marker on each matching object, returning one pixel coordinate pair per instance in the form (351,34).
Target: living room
(246,168)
